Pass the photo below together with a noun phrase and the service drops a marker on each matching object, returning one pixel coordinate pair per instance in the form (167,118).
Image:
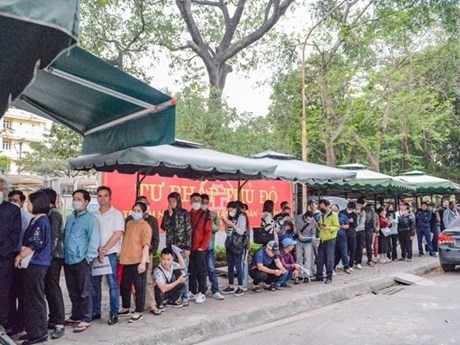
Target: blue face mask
(136,215)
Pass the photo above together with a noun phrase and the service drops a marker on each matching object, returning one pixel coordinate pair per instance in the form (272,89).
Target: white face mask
(204,207)
(232,213)
(136,215)
(77,205)
(18,205)
(196,206)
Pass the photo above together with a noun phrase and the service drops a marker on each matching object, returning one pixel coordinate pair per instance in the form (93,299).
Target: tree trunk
(328,123)
(405,147)
(217,80)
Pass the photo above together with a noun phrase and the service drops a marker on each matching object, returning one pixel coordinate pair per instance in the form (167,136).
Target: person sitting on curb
(288,262)
(168,286)
(266,267)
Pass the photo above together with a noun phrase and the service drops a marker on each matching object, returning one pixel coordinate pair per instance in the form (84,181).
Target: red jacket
(201,229)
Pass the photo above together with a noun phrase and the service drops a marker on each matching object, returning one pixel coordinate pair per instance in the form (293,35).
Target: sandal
(155,311)
(71,321)
(270,288)
(134,319)
(185,302)
(82,326)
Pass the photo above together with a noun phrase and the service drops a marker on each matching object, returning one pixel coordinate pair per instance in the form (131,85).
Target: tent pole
(240,187)
(139,181)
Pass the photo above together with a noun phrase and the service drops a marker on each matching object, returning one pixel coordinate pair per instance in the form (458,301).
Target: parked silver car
(449,246)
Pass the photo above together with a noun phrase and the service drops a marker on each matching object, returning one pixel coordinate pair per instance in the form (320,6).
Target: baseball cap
(288,242)
(274,247)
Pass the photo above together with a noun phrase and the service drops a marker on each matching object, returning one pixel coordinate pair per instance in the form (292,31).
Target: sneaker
(244,289)
(191,296)
(351,269)
(239,292)
(333,273)
(161,308)
(174,304)
(200,298)
(229,290)
(257,288)
(328,281)
(347,271)
(408,260)
(359,267)
(306,280)
(218,296)
(370,264)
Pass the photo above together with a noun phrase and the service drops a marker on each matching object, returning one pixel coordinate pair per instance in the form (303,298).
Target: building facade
(18,129)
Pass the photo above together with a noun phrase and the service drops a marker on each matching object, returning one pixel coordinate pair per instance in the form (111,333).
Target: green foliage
(4,164)
(52,156)
(219,252)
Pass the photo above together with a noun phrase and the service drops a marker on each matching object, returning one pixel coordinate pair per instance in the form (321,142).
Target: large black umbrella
(33,33)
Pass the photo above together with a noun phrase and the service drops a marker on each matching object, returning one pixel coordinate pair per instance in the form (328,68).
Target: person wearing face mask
(210,258)
(329,226)
(406,232)
(134,257)
(235,223)
(81,243)
(393,220)
(201,236)
(153,222)
(176,224)
(16,310)
(10,231)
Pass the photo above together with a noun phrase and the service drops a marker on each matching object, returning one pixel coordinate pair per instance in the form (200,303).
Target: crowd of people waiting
(35,245)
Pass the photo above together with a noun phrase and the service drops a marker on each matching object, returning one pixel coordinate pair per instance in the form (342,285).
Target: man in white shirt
(112,225)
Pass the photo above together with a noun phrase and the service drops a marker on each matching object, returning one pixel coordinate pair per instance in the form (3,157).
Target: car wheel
(448,267)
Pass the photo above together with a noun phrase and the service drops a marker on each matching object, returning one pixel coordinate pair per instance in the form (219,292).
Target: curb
(199,331)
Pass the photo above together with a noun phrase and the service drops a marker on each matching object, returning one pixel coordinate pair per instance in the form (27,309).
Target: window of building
(6,145)
(6,124)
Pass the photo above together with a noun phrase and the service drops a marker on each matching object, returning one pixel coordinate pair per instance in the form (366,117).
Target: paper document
(25,261)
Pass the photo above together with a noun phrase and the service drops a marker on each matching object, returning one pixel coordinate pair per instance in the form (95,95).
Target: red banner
(157,188)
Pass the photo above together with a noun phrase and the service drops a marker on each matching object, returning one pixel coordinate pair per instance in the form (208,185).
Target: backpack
(371,219)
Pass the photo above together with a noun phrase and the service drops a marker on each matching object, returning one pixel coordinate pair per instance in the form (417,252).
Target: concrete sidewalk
(195,323)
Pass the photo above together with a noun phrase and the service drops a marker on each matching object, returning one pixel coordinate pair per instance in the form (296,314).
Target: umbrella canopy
(110,108)
(427,184)
(289,168)
(371,181)
(33,33)
(183,159)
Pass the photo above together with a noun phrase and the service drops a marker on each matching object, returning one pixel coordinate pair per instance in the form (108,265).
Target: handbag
(261,236)
(386,231)
(236,243)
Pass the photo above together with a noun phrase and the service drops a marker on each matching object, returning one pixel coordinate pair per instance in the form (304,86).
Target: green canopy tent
(428,185)
(33,34)
(367,182)
(182,159)
(291,169)
(111,109)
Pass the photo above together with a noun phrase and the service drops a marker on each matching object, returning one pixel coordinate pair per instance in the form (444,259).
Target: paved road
(399,315)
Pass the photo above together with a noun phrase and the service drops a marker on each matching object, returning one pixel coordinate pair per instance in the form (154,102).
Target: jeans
(394,247)
(78,281)
(284,278)
(171,295)
(131,277)
(187,262)
(34,298)
(368,240)
(234,261)
(360,239)
(326,251)
(245,268)
(341,251)
(6,274)
(197,269)
(53,292)
(212,273)
(435,239)
(406,244)
(427,234)
(113,288)
(351,244)
(304,254)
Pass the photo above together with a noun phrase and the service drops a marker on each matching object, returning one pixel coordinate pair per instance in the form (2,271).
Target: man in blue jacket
(423,219)
(81,242)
